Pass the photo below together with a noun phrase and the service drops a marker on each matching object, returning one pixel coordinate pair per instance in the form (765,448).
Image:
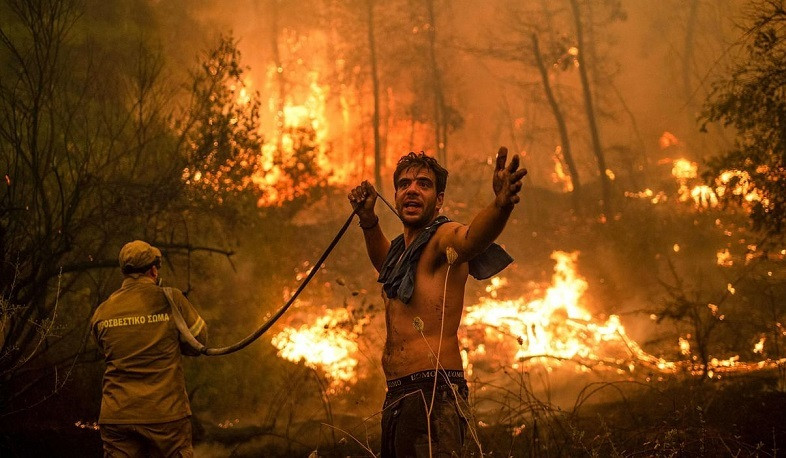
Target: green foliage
(89,160)
(222,131)
(226,154)
(752,100)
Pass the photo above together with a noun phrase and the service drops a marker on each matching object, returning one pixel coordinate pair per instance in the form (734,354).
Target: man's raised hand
(507,179)
(363,198)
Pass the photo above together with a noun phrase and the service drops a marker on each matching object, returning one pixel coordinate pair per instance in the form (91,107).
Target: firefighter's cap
(138,255)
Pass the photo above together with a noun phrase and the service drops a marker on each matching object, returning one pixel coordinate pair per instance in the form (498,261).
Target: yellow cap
(137,254)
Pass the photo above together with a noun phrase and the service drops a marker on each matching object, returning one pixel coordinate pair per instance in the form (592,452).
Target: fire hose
(192,342)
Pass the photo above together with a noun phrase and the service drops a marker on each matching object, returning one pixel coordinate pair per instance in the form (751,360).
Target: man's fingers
(502,157)
(518,175)
(368,189)
(352,200)
(514,164)
(514,188)
(356,195)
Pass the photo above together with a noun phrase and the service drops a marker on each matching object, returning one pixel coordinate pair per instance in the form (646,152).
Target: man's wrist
(505,205)
(368,225)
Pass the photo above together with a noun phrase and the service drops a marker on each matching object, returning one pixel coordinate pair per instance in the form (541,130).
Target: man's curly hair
(418,161)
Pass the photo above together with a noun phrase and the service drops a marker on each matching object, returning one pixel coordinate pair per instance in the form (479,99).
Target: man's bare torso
(409,350)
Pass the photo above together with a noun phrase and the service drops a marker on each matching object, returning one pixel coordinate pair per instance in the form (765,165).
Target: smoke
(307,63)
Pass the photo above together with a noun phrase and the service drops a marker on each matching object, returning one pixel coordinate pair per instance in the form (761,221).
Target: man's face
(417,200)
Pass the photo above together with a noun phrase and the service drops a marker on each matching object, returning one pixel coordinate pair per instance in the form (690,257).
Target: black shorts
(406,425)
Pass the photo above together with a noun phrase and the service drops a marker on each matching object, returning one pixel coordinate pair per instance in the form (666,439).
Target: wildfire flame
(556,327)
(549,328)
(759,347)
(302,131)
(329,344)
(684,169)
(304,138)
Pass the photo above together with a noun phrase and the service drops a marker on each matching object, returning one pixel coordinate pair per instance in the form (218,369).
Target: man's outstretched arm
(363,198)
(469,241)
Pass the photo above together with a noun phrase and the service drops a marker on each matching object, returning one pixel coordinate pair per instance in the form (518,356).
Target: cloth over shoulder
(398,271)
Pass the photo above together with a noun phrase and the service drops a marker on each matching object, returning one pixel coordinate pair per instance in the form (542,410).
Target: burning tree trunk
(590,111)
(280,79)
(561,125)
(440,110)
(687,64)
(372,47)
(592,51)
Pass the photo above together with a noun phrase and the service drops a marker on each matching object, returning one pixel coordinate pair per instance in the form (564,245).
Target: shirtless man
(421,333)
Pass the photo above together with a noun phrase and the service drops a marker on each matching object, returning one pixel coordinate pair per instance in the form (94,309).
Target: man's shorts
(405,430)
(170,439)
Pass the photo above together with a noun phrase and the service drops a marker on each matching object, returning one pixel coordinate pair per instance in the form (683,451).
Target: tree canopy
(751,98)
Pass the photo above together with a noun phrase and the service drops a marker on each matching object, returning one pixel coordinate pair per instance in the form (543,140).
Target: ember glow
(728,183)
(668,139)
(648,194)
(704,197)
(738,183)
(87,425)
(559,175)
(686,174)
(724,258)
(684,169)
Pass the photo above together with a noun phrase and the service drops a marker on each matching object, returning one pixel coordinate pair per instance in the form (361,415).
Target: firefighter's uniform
(144,407)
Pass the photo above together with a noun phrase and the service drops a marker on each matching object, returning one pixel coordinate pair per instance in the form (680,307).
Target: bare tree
(561,124)
(428,77)
(66,137)
(358,29)
(441,121)
(91,161)
(532,26)
(589,108)
(274,29)
(374,73)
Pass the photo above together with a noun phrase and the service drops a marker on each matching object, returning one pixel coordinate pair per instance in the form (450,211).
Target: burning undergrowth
(659,313)
(622,309)
(328,343)
(541,356)
(546,325)
(550,326)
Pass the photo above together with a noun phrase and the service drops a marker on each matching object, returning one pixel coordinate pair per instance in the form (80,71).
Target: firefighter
(144,407)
